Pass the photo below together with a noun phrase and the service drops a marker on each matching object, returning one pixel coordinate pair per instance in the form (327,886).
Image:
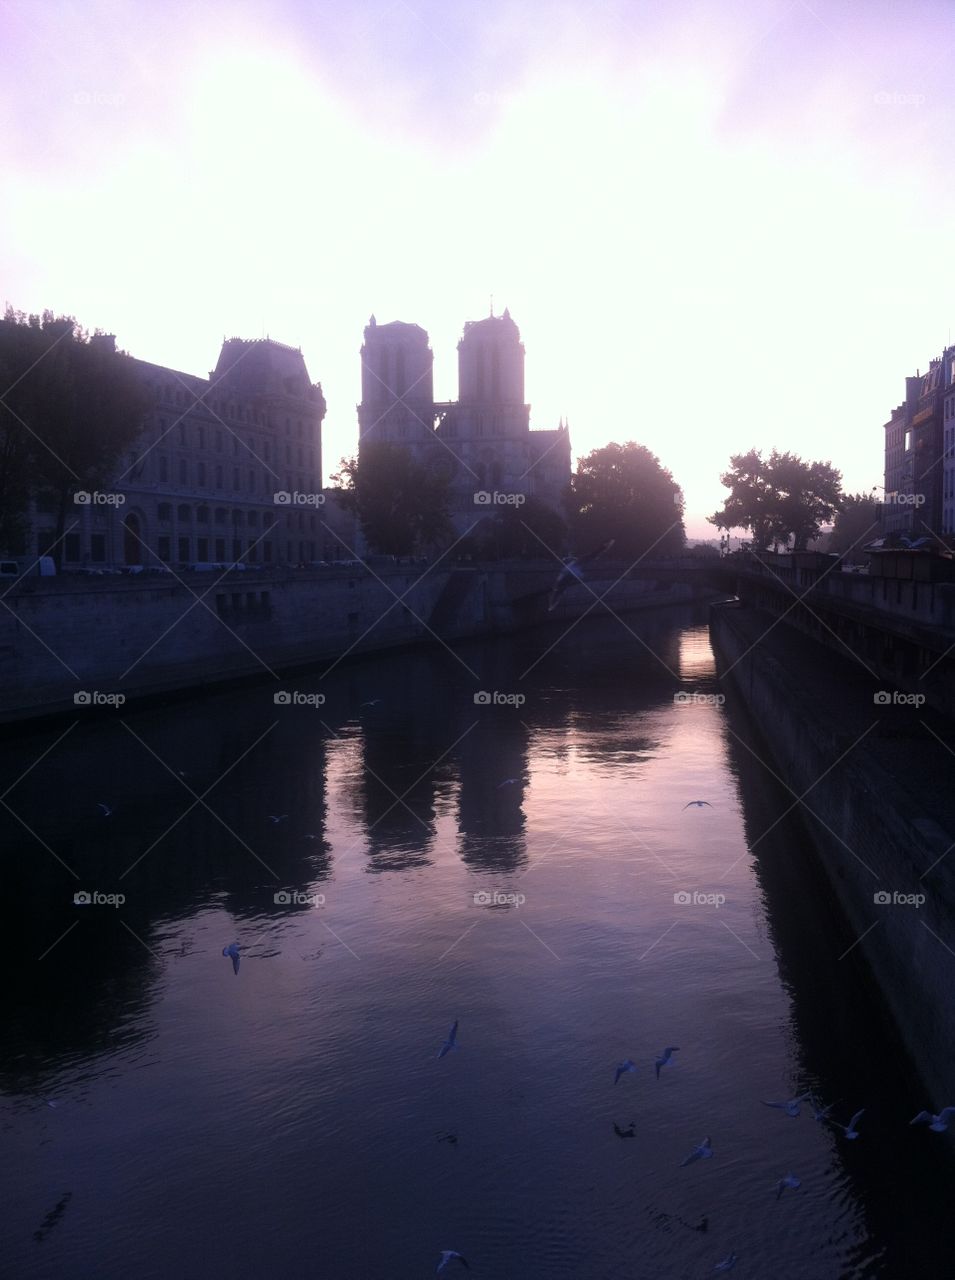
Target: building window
(98,547)
(202,548)
(218,477)
(201,474)
(163,469)
(220,549)
(267,552)
(164,548)
(185,514)
(202,516)
(71,546)
(183,549)
(253,518)
(182,432)
(183,472)
(164,512)
(218,440)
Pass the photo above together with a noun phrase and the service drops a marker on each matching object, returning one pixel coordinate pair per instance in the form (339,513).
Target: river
(392,856)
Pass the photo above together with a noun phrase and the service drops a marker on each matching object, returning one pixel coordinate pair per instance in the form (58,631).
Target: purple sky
(717,224)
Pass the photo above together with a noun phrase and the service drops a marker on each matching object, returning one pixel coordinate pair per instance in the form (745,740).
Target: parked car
(40,567)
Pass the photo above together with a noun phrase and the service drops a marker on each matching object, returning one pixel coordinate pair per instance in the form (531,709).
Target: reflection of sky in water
(213,1122)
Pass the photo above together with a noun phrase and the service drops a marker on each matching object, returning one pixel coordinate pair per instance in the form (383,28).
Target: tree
(622,491)
(856,523)
(72,408)
(401,504)
(778,498)
(530,531)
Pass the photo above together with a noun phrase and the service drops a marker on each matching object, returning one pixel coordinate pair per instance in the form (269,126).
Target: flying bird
(939,1123)
(703,1152)
(451,1042)
(850,1129)
(820,1112)
(791,1107)
(508,782)
(665,1057)
(790,1180)
(277,818)
(373,703)
(451,1255)
(232,950)
(107,811)
(698,804)
(627,1065)
(728,1263)
(572,572)
(629,1132)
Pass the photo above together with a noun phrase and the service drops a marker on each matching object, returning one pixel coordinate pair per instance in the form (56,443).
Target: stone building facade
(226,468)
(484,437)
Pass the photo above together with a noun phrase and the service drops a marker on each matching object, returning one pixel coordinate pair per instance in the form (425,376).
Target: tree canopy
(401,504)
(622,491)
(70,408)
(528,531)
(856,523)
(778,498)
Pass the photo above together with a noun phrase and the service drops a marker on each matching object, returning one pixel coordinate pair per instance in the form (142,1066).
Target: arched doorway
(132,540)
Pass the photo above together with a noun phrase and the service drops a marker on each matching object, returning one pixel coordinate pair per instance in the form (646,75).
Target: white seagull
(572,572)
(508,782)
(790,1180)
(451,1042)
(791,1107)
(232,950)
(665,1056)
(373,703)
(703,1152)
(820,1112)
(728,1263)
(277,818)
(107,811)
(850,1129)
(698,804)
(627,1065)
(451,1255)
(939,1123)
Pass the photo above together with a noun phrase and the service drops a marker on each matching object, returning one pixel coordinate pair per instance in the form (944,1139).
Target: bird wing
(856,1118)
(781,1105)
(946,1112)
(453,1032)
(924,1117)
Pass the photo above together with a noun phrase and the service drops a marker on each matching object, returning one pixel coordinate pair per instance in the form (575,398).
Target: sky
(718,225)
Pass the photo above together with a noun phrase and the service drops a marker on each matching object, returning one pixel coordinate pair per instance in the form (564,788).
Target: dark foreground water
(523,870)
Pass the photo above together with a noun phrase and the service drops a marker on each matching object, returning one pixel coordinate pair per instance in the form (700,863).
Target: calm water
(292,1120)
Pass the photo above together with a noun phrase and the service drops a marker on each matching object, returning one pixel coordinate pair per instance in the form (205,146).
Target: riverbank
(875,783)
(68,643)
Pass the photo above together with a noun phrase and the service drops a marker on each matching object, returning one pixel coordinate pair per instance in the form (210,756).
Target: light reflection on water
(287,1121)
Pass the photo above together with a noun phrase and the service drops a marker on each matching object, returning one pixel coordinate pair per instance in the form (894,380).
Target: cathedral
(484,437)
